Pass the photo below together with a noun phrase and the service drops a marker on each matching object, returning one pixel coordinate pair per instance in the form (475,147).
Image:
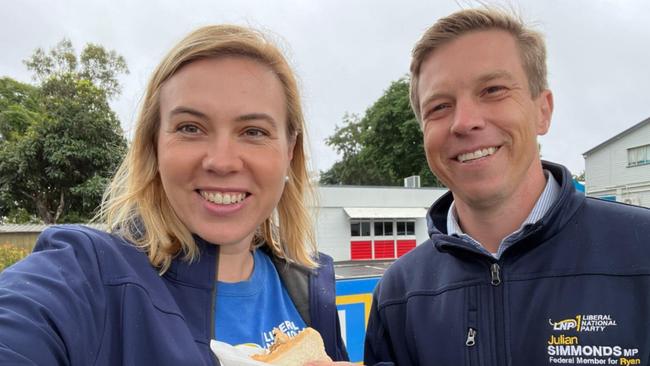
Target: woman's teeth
(223,198)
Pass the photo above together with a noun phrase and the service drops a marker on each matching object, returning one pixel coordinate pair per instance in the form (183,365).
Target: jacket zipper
(496,274)
(471,337)
(213,307)
(471,346)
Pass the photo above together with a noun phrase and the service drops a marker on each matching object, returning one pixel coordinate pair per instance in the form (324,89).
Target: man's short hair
(530,42)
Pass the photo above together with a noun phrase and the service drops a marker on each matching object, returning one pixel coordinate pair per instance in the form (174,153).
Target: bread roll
(286,351)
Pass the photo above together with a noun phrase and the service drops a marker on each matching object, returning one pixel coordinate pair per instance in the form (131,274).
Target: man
(520,269)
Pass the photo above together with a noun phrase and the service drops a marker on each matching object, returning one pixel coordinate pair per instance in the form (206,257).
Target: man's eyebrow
(257,116)
(499,74)
(433,96)
(187,110)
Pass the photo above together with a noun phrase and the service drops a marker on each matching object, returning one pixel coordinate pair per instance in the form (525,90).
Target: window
(383,228)
(360,228)
(405,228)
(388,239)
(638,156)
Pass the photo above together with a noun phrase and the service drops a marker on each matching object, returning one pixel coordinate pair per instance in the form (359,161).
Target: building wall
(332,224)
(607,173)
(25,239)
(361,196)
(333,233)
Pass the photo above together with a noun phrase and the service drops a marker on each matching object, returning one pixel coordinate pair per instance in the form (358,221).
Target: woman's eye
(255,132)
(189,129)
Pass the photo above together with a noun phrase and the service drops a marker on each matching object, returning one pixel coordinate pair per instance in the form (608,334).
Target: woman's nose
(222,156)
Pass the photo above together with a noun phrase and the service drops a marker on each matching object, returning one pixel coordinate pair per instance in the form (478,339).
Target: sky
(346,53)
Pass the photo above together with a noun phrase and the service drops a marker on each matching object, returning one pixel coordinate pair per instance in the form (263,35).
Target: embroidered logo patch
(565,345)
(584,323)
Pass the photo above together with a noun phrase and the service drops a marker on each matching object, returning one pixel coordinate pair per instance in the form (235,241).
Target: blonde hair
(135,205)
(531,44)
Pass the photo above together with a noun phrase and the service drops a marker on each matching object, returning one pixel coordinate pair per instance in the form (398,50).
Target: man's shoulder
(405,276)
(618,212)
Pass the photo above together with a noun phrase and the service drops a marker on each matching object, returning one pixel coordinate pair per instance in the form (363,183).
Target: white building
(357,222)
(619,168)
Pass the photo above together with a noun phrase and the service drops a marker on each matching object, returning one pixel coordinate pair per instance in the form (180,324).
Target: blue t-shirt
(247,311)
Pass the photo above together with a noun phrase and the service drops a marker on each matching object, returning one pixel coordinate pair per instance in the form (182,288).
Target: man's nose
(468,117)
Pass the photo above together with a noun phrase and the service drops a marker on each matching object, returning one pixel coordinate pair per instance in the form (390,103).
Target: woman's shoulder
(91,249)
(83,238)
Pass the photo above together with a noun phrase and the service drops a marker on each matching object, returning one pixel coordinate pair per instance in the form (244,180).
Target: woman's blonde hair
(135,205)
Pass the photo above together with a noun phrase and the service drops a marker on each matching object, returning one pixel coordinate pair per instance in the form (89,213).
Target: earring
(286,178)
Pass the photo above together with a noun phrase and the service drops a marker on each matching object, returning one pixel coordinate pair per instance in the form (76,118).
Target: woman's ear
(292,145)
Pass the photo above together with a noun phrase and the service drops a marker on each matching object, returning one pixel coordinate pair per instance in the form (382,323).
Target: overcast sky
(346,53)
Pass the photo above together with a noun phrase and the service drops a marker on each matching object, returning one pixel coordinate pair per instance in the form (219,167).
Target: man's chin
(481,196)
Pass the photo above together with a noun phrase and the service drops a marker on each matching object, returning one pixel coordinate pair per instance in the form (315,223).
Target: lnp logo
(566,324)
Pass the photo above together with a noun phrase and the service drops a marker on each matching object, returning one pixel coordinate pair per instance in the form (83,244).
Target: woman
(210,234)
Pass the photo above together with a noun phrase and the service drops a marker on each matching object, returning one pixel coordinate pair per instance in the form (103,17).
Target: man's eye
(436,109)
(440,107)
(495,89)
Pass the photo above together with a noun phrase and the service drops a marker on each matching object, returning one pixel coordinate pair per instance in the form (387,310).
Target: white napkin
(230,355)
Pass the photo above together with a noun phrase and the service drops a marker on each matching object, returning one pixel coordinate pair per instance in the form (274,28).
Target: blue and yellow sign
(353,301)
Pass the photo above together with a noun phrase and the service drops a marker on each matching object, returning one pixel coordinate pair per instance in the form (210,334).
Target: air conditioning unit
(412,182)
(632,201)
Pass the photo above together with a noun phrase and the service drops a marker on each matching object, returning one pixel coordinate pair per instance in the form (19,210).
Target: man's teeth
(222,198)
(476,154)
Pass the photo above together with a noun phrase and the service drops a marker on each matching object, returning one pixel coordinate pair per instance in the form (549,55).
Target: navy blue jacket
(85,297)
(573,289)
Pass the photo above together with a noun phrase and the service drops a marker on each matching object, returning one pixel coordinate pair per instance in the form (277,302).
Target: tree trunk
(42,210)
(59,209)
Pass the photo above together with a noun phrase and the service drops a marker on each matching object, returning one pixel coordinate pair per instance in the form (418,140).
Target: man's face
(479,119)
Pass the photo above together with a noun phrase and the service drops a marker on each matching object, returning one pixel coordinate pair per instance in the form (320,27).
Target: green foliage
(580,177)
(19,215)
(10,254)
(95,64)
(59,140)
(383,147)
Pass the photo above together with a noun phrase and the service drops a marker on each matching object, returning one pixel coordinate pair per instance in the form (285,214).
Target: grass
(10,254)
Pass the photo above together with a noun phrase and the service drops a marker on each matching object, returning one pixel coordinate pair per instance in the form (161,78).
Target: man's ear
(545,111)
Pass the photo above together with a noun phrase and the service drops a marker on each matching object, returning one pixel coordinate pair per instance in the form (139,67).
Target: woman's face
(223,149)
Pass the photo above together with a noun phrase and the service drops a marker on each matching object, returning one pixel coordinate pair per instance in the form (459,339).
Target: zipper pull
(496,278)
(471,335)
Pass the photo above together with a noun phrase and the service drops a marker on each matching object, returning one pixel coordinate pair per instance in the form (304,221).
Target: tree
(580,177)
(60,142)
(383,147)
(95,64)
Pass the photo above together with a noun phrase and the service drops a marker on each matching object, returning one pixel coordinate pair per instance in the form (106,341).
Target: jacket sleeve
(50,312)
(378,349)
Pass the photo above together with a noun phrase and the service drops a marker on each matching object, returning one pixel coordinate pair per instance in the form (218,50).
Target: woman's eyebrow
(187,110)
(257,116)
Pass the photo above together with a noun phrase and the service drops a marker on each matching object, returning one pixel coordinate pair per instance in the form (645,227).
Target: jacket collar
(200,272)
(567,203)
